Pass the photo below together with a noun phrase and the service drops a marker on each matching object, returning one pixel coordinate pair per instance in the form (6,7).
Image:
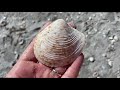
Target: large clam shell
(58,44)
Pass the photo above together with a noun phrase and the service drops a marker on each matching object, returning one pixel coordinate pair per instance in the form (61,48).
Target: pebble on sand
(118,76)
(98,77)
(110,63)
(13,63)
(113,41)
(91,59)
(16,55)
(95,74)
(110,38)
(104,55)
(3,22)
(21,41)
(116,38)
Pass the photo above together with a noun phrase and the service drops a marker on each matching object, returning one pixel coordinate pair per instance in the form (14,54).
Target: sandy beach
(102,30)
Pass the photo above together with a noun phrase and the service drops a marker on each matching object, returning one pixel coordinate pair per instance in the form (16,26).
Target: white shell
(91,59)
(58,44)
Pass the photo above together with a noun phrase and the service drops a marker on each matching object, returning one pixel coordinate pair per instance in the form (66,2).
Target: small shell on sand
(91,59)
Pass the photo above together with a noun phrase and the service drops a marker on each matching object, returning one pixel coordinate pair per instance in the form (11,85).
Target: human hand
(28,67)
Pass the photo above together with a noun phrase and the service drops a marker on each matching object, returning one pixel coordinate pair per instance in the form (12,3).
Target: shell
(58,44)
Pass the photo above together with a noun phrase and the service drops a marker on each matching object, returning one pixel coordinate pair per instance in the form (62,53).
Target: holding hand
(28,66)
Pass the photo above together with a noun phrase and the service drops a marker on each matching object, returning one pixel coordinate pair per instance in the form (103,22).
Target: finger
(28,54)
(72,24)
(73,70)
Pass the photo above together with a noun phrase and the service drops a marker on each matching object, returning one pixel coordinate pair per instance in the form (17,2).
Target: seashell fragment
(58,44)
(95,74)
(110,38)
(91,59)
(110,63)
(116,38)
